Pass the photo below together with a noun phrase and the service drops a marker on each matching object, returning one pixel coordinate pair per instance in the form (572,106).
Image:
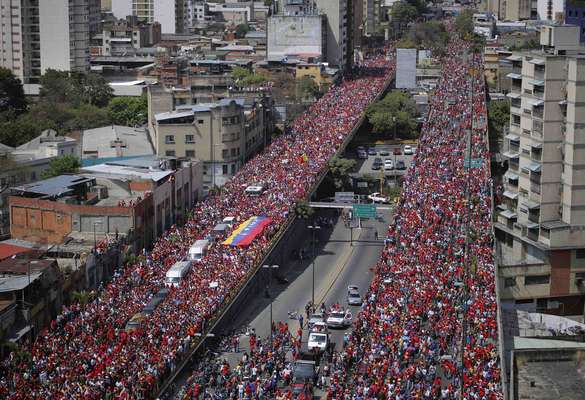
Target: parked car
(384,152)
(377,198)
(362,154)
(397,151)
(339,319)
(400,165)
(354,298)
(408,149)
(372,151)
(352,288)
(378,163)
(388,165)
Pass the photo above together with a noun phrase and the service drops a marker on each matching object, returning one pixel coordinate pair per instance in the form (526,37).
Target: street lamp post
(94,235)
(313,228)
(270,268)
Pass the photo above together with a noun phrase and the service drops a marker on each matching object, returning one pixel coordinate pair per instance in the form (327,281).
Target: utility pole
(313,228)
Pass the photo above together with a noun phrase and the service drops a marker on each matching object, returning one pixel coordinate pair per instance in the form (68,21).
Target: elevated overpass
(166,389)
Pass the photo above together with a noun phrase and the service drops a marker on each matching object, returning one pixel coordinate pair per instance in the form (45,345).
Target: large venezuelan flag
(246,232)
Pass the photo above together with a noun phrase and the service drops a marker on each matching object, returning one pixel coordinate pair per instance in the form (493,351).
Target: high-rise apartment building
(541,223)
(337,33)
(40,35)
(371,16)
(575,15)
(174,16)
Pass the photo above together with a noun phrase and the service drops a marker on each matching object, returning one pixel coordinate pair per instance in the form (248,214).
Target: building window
(190,153)
(200,121)
(510,282)
(170,153)
(225,153)
(536,280)
(580,253)
(189,139)
(233,152)
(224,169)
(169,139)
(233,169)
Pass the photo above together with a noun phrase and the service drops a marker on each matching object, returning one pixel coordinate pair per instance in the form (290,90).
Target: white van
(229,221)
(198,250)
(219,230)
(254,190)
(177,272)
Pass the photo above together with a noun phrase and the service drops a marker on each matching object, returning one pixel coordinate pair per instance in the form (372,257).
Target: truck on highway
(177,272)
(198,250)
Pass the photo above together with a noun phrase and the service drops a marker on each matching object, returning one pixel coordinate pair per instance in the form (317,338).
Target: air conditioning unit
(100,190)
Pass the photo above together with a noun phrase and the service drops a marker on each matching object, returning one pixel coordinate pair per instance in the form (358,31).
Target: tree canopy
(498,115)
(404,12)
(308,87)
(61,165)
(340,169)
(11,93)
(464,23)
(130,111)
(241,30)
(395,112)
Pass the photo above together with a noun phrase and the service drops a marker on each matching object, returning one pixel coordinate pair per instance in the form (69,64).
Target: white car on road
(354,298)
(339,319)
(388,165)
(317,342)
(408,150)
(377,198)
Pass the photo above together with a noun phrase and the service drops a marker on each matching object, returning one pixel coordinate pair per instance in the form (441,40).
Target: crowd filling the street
(432,298)
(87,352)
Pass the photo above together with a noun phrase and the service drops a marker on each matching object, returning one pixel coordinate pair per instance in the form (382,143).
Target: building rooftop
(53,187)
(11,283)
(143,168)
(115,141)
(46,137)
(189,110)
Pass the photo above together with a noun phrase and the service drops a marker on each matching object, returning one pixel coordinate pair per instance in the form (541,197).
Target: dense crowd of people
(88,354)
(410,335)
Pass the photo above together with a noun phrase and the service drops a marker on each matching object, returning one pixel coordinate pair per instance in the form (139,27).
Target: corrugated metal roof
(11,283)
(56,186)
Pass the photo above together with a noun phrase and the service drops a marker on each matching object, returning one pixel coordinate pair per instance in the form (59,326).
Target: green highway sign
(364,210)
(472,163)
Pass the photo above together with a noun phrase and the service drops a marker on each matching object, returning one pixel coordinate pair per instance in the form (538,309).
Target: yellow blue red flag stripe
(247,231)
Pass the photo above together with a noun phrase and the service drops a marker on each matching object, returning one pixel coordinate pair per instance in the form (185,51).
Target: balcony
(230,137)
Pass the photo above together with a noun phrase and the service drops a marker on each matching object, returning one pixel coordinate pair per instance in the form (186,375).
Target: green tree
(396,112)
(303,210)
(240,73)
(241,30)
(129,111)
(464,23)
(93,89)
(429,35)
(86,116)
(255,80)
(57,87)
(11,93)
(308,87)
(498,115)
(15,132)
(403,13)
(61,165)
(340,169)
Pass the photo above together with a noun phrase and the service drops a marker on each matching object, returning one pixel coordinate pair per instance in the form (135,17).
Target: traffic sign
(344,197)
(364,210)
(472,163)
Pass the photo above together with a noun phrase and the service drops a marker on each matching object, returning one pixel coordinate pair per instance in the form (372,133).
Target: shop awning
(536,82)
(531,225)
(514,58)
(509,214)
(512,137)
(511,176)
(536,145)
(531,205)
(510,195)
(536,103)
(514,95)
(536,61)
(534,167)
(512,75)
(509,154)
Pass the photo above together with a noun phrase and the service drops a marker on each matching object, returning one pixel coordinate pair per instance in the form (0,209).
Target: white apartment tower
(541,222)
(44,34)
(174,16)
(337,35)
